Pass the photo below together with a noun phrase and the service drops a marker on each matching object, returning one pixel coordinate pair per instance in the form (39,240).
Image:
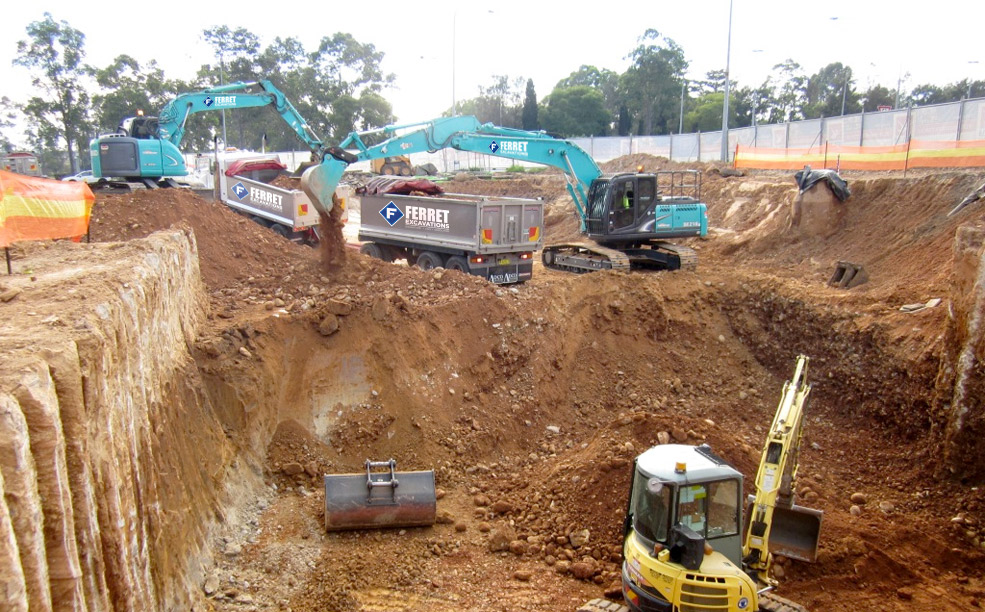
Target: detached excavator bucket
(795,532)
(380,499)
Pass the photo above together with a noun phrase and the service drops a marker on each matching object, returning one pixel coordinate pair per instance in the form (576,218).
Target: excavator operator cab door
(630,203)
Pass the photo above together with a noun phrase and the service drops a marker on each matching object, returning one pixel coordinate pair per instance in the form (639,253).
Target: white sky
(934,42)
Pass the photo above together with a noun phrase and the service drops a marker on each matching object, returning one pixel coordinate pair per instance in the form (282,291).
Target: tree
(575,111)
(651,85)
(786,86)
(706,116)
(529,118)
(829,90)
(129,88)
(54,53)
(7,121)
(605,81)
(877,96)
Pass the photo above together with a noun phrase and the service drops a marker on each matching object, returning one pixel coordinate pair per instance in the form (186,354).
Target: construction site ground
(531,401)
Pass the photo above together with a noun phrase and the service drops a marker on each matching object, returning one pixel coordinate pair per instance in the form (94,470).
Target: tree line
(339,86)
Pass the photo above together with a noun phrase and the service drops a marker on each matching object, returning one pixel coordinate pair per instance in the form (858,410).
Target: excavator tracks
(771,602)
(580,257)
(601,605)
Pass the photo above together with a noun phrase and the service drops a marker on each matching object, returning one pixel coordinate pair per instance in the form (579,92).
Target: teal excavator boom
(148,148)
(624,214)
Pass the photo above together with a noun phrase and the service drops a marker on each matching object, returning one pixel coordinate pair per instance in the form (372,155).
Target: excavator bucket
(795,532)
(380,498)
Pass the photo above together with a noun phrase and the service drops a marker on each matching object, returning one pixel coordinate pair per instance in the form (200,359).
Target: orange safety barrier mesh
(915,154)
(39,209)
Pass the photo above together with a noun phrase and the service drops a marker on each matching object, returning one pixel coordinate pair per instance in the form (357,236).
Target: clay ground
(530,402)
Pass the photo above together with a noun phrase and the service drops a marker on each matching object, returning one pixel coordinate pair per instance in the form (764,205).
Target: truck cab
(683,538)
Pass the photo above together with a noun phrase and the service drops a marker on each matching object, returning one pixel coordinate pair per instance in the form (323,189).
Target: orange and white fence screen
(41,209)
(914,154)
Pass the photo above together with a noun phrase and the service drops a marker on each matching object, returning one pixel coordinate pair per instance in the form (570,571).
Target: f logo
(494,146)
(208,101)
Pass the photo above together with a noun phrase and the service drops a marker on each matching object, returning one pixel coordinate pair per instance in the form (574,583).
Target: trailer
(21,162)
(245,184)
(491,237)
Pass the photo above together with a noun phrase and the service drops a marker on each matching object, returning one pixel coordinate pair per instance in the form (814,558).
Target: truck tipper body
(244,184)
(491,237)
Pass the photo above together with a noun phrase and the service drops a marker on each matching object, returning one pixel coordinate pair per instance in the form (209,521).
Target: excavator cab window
(710,509)
(624,204)
(650,504)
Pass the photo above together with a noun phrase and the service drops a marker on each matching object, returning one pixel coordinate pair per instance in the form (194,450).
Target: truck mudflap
(380,499)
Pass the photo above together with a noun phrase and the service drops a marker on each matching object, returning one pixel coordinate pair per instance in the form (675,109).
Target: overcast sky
(933,41)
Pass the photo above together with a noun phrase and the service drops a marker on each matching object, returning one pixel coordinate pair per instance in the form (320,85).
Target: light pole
(728,57)
(680,128)
(969,78)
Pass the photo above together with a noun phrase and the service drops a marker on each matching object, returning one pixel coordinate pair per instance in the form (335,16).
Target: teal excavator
(146,150)
(628,216)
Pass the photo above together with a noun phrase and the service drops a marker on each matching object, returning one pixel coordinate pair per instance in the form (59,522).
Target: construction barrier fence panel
(41,209)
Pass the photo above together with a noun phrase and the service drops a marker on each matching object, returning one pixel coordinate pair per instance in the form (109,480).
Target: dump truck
(245,185)
(491,237)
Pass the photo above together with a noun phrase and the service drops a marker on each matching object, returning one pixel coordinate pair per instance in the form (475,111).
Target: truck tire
(372,249)
(457,263)
(428,260)
(259,221)
(280,230)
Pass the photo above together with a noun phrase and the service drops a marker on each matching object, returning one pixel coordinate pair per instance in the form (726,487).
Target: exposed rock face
(108,490)
(961,382)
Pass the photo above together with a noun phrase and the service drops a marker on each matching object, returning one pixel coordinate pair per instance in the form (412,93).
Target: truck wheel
(280,229)
(428,260)
(405,171)
(259,221)
(372,249)
(388,170)
(457,263)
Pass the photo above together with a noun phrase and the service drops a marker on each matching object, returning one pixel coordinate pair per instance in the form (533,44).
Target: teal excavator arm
(461,133)
(171,120)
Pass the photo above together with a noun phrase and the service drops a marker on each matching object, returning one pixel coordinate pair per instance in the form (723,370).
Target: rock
(582,570)
(709,423)
(380,309)
(554,429)
(518,547)
(484,527)
(292,469)
(502,507)
(233,549)
(439,493)
(613,592)
(886,507)
(904,593)
(579,538)
(445,517)
(663,437)
(211,585)
(329,325)
(461,527)
(311,469)
(338,307)
(245,352)
(562,566)
(858,498)
(855,510)
(500,538)
(522,575)
(679,434)
(481,500)
(10,294)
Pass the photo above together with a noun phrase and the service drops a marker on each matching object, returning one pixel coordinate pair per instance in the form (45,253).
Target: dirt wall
(110,454)
(961,382)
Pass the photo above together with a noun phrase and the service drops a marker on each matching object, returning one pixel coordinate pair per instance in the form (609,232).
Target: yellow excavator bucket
(381,497)
(795,531)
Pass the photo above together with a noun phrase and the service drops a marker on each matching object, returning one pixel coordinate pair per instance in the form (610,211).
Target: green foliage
(529,119)
(54,53)
(651,86)
(515,168)
(575,111)
(828,90)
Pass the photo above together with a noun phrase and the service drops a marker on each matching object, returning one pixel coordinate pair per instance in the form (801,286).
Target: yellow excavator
(687,547)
